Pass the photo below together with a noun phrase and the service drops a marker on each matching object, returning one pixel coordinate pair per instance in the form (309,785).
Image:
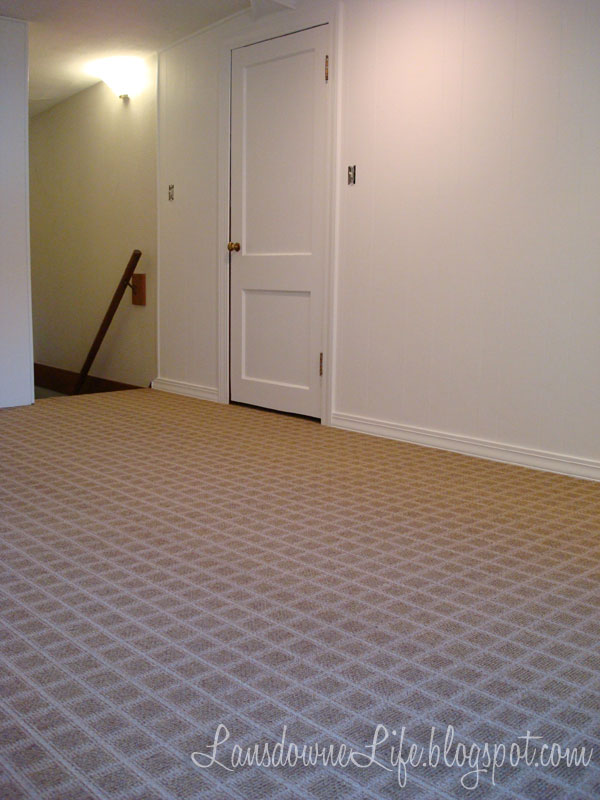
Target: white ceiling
(66,34)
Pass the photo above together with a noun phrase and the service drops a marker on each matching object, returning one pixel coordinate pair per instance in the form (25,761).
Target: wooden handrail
(105,324)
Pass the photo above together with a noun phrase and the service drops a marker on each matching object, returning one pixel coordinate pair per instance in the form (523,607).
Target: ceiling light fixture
(125,75)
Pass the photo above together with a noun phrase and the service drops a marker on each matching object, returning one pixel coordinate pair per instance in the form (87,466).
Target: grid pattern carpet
(170,566)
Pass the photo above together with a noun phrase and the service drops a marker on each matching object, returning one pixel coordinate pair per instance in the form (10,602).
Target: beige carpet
(170,565)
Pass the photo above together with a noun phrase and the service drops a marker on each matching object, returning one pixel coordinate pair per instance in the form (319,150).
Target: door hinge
(326,69)
(320,365)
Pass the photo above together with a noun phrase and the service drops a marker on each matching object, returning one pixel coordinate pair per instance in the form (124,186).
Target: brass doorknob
(233,246)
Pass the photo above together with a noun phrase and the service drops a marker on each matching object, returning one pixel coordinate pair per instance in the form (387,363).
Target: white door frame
(279,24)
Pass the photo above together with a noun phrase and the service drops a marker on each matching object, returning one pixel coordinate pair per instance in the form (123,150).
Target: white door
(279,217)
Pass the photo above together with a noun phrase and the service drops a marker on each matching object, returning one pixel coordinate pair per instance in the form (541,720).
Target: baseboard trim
(64,380)
(187,389)
(481,448)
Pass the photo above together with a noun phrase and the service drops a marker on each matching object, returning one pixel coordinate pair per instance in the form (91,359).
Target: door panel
(278,158)
(279,148)
(276,341)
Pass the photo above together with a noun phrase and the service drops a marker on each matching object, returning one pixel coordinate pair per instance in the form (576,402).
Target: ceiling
(66,34)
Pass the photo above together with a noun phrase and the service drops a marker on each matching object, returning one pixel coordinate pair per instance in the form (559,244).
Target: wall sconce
(125,75)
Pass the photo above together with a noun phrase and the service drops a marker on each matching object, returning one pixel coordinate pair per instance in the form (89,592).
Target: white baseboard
(496,451)
(187,389)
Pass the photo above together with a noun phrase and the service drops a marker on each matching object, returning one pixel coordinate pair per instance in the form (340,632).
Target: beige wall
(93,200)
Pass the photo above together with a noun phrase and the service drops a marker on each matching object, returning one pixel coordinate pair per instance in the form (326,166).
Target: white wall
(93,201)
(468,261)
(188,133)
(16,357)
(469,282)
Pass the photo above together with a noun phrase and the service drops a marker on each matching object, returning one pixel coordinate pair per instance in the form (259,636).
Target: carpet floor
(213,602)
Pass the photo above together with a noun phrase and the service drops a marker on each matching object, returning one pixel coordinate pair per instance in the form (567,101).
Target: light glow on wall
(127,76)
